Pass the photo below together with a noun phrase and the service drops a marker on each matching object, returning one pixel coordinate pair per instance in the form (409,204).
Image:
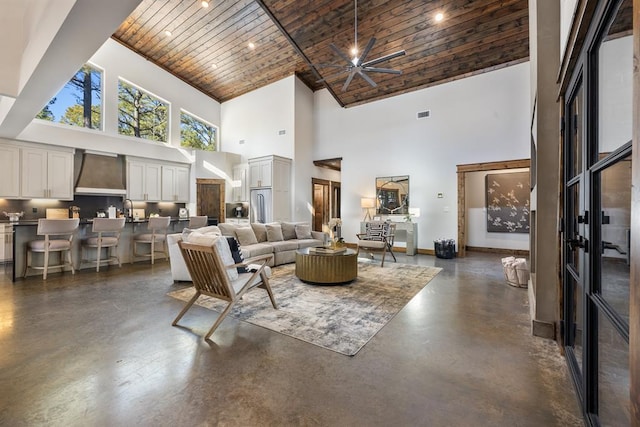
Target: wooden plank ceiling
(209,47)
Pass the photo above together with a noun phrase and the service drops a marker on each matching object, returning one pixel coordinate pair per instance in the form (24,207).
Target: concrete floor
(98,349)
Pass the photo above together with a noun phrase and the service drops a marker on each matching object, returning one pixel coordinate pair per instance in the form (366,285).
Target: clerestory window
(141,114)
(196,133)
(79,102)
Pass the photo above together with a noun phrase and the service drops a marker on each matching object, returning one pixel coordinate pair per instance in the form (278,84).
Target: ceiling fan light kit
(359,65)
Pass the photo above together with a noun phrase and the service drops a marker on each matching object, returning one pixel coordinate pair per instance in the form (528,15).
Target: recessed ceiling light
(205,3)
(214,66)
(251,45)
(439,16)
(167,33)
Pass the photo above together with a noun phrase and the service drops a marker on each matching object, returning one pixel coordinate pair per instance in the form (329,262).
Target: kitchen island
(25,231)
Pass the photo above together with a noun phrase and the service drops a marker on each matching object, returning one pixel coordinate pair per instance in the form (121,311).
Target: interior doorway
(210,198)
(325,201)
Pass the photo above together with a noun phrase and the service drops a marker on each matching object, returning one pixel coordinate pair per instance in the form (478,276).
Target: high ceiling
(209,47)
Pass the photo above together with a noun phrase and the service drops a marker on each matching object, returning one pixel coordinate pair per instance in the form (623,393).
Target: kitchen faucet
(130,213)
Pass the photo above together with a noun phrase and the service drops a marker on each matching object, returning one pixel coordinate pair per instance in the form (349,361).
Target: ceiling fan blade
(367,79)
(366,50)
(383,58)
(340,54)
(346,84)
(382,70)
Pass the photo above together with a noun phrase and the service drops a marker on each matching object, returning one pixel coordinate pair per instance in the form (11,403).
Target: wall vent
(423,114)
(241,141)
(282,132)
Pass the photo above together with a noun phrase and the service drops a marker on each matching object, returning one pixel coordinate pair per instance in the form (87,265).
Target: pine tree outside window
(141,114)
(196,133)
(79,102)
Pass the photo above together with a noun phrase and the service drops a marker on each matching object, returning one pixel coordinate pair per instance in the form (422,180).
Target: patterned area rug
(342,318)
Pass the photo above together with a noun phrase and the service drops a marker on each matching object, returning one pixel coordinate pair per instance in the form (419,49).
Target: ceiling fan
(358,64)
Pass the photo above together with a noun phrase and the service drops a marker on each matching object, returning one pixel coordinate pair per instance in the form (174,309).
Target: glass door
(597,217)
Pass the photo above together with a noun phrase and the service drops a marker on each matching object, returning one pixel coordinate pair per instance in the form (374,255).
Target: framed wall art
(507,202)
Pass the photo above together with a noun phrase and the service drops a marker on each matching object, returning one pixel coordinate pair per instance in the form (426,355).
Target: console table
(408,229)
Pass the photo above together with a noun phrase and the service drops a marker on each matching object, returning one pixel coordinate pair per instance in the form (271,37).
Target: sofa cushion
(246,236)
(260,230)
(284,245)
(221,244)
(236,253)
(274,233)
(288,230)
(303,231)
(227,229)
(256,250)
(309,243)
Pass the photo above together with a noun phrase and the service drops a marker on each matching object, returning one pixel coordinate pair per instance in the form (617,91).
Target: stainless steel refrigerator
(261,206)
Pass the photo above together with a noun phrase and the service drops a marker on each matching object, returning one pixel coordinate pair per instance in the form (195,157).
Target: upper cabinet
(240,183)
(157,182)
(46,174)
(260,172)
(175,183)
(9,172)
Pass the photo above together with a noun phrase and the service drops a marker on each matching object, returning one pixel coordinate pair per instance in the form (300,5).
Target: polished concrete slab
(98,349)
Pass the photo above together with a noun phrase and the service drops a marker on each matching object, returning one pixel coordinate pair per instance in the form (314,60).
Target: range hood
(100,174)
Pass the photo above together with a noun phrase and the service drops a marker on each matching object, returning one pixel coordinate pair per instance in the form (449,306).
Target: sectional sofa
(281,239)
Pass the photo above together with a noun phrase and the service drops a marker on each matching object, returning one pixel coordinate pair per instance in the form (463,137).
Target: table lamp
(367,203)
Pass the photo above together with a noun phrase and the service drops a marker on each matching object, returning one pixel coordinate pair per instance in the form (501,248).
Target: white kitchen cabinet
(260,171)
(46,174)
(9,172)
(240,191)
(144,181)
(6,242)
(276,172)
(237,221)
(175,183)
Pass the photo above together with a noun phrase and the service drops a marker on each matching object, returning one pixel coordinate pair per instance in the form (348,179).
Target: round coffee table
(326,269)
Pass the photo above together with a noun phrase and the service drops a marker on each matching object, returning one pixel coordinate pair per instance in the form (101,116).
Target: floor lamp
(366,204)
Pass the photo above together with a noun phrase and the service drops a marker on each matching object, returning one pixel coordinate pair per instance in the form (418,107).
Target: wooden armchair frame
(210,278)
(382,242)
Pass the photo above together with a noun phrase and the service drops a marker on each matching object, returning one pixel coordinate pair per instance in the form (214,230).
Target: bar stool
(112,227)
(158,227)
(56,228)
(198,221)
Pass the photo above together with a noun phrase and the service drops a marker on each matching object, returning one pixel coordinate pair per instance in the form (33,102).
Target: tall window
(78,102)
(140,114)
(196,133)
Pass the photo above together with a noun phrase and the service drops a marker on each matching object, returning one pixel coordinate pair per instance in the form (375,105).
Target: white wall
(476,216)
(478,119)
(257,118)
(303,156)
(118,61)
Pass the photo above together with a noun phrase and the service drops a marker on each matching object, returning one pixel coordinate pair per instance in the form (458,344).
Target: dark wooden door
(210,198)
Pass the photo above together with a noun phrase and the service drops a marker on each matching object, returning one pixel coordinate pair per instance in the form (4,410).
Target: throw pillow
(236,253)
(246,236)
(222,246)
(303,231)
(288,230)
(260,230)
(227,229)
(274,233)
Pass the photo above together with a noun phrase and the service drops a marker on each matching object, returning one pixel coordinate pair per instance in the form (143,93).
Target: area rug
(341,318)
